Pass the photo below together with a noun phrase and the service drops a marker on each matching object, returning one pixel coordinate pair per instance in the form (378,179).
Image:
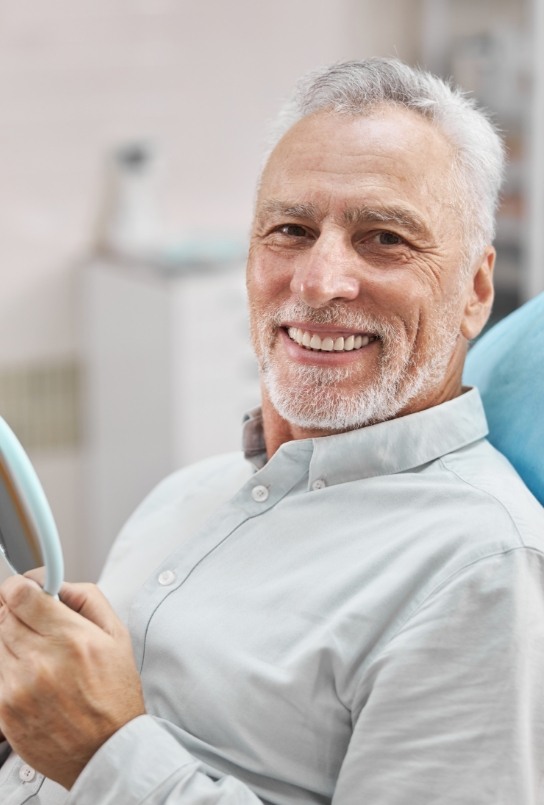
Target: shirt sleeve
(452,711)
(144,763)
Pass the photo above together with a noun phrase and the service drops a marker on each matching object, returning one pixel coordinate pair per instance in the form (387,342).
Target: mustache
(336,313)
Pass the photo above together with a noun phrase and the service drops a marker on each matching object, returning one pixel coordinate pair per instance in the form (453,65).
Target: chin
(331,400)
(328,408)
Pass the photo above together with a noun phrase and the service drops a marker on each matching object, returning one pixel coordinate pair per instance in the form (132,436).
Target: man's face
(355,278)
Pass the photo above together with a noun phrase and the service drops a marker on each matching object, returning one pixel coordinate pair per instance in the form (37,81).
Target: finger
(81,605)
(4,636)
(37,574)
(87,600)
(15,637)
(8,655)
(28,603)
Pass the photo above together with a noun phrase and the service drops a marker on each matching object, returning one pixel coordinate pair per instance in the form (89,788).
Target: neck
(278,430)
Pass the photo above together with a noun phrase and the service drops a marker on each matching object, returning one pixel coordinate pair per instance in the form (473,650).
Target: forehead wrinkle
(351,216)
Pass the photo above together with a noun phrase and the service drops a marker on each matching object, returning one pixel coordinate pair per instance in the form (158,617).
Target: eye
(292,231)
(389,239)
(384,247)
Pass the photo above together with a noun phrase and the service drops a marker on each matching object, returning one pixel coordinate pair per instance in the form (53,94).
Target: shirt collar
(397,445)
(253,438)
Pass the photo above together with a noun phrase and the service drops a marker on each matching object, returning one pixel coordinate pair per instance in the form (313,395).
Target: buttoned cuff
(133,764)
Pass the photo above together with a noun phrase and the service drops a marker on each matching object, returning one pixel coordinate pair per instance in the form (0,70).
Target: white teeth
(315,342)
(327,344)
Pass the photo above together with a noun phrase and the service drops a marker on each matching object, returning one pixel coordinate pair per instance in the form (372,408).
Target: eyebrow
(387,214)
(283,209)
(352,216)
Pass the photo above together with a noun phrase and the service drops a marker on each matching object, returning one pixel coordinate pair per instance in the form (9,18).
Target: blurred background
(132,134)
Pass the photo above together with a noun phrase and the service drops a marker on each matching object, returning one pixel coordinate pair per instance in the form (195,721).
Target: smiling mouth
(317,343)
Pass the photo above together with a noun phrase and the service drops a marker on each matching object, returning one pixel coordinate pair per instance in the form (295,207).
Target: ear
(480,296)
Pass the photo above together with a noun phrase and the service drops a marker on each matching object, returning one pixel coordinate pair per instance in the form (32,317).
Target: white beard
(311,396)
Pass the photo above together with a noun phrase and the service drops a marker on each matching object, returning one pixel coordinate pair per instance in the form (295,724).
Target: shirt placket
(263,491)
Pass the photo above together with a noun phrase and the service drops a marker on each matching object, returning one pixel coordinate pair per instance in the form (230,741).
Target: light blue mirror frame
(31,502)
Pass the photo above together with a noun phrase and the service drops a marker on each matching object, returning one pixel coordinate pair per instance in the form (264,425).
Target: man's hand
(68,680)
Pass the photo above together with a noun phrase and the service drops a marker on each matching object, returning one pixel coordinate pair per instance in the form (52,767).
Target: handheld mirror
(28,534)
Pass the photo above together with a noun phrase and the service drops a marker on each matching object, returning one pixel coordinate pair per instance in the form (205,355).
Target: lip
(325,329)
(307,356)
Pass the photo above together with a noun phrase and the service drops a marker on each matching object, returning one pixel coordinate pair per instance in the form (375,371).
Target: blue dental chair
(507,365)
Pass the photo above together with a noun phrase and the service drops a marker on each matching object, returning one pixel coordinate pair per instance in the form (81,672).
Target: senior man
(354,611)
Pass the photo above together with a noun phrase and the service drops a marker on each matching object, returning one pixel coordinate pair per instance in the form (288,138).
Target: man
(355,612)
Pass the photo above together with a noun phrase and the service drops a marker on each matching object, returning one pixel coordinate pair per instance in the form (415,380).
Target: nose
(325,272)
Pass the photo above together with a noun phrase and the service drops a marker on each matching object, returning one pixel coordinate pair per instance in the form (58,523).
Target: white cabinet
(168,372)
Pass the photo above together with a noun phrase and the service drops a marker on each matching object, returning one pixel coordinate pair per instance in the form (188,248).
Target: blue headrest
(507,365)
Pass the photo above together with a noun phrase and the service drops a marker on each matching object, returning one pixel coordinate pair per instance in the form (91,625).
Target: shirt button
(26,774)
(319,484)
(259,493)
(166,578)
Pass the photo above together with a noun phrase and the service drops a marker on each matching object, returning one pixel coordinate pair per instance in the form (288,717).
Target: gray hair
(358,87)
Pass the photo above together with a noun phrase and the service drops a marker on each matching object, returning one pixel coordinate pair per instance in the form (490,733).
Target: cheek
(421,294)
(398,298)
(262,299)
(268,277)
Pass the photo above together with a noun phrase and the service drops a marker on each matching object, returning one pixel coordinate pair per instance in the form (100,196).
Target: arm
(145,763)
(452,711)
(71,705)
(67,677)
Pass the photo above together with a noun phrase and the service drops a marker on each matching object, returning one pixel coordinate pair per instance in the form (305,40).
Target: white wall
(198,77)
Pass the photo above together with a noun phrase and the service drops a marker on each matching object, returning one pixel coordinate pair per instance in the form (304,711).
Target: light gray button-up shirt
(360,620)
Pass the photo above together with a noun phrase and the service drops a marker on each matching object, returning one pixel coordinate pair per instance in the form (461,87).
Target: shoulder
(169,516)
(493,489)
(221,472)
